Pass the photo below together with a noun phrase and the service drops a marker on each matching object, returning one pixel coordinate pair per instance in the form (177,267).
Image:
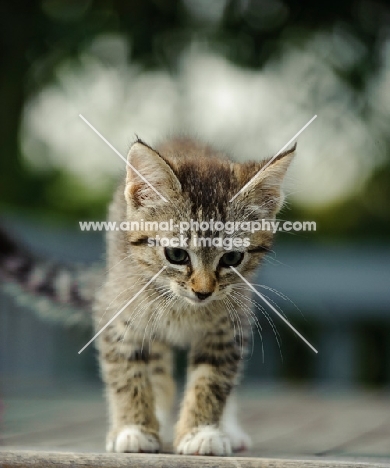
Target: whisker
(262,310)
(170,301)
(239,325)
(130,323)
(230,317)
(120,261)
(116,297)
(157,290)
(138,311)
(158,314)
(281,295)
(275,304)
(251,317)
(249,322)
(268,318)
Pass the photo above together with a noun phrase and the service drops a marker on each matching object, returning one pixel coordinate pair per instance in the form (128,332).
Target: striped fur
(135,349)
(55,291)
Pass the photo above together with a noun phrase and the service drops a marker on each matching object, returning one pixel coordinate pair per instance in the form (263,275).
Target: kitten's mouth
(194,300)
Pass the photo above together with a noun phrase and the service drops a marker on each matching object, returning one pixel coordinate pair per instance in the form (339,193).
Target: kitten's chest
(172,327)
(179,332)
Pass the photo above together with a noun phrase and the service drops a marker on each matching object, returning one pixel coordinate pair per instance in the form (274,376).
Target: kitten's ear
(158,183)
(264,190)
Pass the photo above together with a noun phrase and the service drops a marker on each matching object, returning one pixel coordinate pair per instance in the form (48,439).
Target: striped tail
(55,292)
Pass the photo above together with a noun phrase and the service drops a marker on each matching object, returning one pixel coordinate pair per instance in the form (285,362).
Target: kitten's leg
(239,440)
(160,371)
(133,423)
(214,365)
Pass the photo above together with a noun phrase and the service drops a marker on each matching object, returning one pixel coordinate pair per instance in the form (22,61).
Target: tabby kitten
(189,304)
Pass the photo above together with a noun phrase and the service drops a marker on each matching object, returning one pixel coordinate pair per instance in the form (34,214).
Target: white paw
(132,439)
(239,440)
(206,440)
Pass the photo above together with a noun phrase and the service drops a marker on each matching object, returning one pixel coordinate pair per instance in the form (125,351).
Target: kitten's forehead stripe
(206,176)
(207,186)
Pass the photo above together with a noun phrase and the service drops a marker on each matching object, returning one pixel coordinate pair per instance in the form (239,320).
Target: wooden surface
(34,459)
(289,428)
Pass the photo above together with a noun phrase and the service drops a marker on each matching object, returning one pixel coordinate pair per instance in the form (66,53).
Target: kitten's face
(204,274)
(198,184)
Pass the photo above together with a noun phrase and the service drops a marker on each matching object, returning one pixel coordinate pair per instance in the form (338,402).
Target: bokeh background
(245,75)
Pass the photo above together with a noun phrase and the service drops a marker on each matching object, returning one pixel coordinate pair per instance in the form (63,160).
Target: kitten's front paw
(205,440)
(239,440)
(132,439)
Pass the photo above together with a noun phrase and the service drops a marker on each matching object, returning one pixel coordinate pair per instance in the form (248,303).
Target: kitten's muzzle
(202,295)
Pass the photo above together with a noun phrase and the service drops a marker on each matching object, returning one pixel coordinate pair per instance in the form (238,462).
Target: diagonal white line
(120,311)
(276,155)
(273,308)
(122,157)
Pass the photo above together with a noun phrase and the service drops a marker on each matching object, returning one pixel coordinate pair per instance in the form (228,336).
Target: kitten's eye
(176,256)
(232,258)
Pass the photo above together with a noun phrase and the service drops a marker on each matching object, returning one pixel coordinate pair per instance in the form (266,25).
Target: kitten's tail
(56,292)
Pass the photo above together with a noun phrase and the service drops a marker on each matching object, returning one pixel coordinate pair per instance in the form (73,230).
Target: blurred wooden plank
(321,427)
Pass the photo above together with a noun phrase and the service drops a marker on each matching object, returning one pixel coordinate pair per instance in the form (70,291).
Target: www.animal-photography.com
(195,233)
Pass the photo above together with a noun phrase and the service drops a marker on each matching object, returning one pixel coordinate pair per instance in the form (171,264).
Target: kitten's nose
(202,295)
